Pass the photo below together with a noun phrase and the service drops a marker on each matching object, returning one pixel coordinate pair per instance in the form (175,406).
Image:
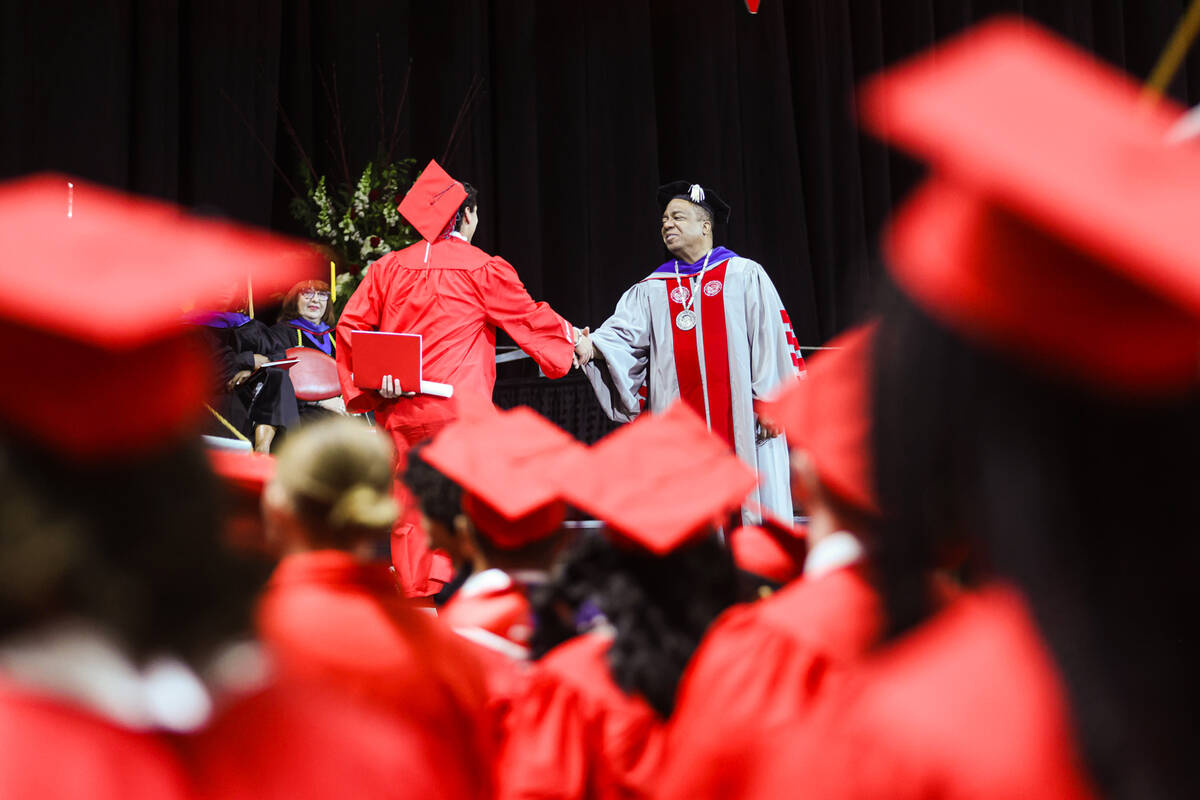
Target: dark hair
(920,461)
(560,605)
(1085,499)
(532,555)
(472,202)
(132,545)
(659,607)
(439,497)
(291,301)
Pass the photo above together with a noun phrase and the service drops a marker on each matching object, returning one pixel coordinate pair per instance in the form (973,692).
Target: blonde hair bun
(363,506)
(337,476)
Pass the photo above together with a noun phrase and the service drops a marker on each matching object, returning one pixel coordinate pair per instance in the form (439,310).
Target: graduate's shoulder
(576,654)
(450,253)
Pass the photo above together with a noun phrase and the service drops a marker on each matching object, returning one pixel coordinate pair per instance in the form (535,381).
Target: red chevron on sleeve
(794,346)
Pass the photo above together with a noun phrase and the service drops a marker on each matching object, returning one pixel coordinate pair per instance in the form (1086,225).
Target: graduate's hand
(584,351)
(238,379)
(259,360)
(390,389)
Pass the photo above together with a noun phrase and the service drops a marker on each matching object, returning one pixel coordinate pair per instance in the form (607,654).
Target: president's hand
(767,428)
(584,351)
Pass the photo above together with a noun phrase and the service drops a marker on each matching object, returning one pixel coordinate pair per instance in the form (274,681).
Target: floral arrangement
(358,221)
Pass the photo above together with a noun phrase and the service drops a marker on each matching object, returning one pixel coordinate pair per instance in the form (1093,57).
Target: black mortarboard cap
(695,193)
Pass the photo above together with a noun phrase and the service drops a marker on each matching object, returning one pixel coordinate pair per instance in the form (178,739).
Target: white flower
(362,192)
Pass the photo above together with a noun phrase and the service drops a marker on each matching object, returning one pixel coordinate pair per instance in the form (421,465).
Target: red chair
(315,377)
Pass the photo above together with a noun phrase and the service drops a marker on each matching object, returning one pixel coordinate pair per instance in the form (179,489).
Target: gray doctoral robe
(635,347)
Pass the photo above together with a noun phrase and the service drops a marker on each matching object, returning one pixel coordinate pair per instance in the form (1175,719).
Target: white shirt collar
(837,550)
(486,582)
(456,234)
(497,580)
(77,663)
(530,577)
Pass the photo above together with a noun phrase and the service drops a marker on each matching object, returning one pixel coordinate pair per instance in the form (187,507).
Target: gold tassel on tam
(1173,54)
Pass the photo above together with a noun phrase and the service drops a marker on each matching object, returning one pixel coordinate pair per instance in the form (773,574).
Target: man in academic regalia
(708,327)
(454,295)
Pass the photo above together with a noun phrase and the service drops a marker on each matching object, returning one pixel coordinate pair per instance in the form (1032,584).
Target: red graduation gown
(51,750)
(492,612)
(760,665)
(455,299)
(968,706)
(299,743)
(572,732)
(420,572)
(330,619)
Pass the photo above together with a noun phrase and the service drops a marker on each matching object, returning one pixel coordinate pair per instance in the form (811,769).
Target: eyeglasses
(309,294)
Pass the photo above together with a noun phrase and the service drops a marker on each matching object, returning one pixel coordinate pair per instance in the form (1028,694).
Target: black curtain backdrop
(579,111)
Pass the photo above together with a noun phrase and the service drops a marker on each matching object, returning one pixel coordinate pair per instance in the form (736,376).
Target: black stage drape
(579,111)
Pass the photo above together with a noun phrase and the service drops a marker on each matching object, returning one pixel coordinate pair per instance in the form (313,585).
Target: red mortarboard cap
(432,201)
(512,533)
(507,465)
(828,414)
(659,480)
(247,470)
(1059,223)
(95,282)
(774,549)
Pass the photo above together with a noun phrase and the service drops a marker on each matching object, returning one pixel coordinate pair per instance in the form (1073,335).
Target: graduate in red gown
(455,296)
(332,614)
(768,662)
(122,615)
(590,721)
(1036,410)
(509,528)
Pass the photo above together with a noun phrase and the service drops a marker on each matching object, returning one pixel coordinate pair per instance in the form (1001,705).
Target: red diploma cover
(379,353)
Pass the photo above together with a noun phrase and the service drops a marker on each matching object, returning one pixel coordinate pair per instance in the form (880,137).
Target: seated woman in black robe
(257,401)
(306,320)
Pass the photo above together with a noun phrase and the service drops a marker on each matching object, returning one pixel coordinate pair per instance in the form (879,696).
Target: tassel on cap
(694,193)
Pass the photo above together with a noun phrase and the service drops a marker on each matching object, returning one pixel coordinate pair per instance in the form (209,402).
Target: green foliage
(359,221)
